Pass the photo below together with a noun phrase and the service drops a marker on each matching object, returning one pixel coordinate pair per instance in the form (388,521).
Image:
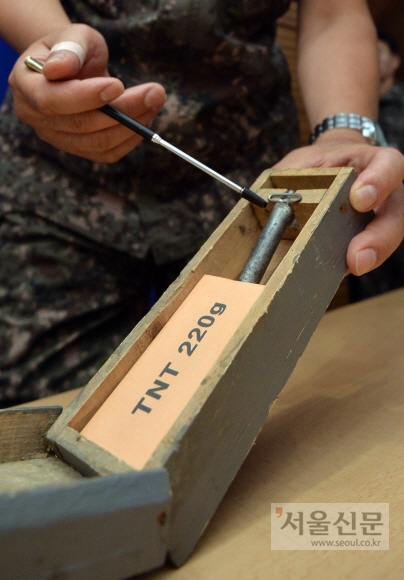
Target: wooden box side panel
(322,178)
(100,529)
(55,523)
(212,446)
(23,432)
(85,456)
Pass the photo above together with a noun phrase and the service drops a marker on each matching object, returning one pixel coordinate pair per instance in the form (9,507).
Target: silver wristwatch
(370,129)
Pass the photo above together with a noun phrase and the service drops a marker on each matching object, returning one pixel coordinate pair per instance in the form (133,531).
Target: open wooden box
(55,523)
(210,438)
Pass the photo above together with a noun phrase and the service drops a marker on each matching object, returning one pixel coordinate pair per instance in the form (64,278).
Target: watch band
(370,129)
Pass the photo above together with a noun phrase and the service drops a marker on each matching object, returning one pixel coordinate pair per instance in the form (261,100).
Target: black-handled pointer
(147,133)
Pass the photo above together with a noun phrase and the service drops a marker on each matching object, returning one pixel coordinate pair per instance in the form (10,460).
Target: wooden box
(55,523)
(209,439)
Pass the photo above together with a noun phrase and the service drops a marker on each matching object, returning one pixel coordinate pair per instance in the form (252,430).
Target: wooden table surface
(335,434)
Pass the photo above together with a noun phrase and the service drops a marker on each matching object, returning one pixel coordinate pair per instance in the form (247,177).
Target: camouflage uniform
(390,275)
(82,242)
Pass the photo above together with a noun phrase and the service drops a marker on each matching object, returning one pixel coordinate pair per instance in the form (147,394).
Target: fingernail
(365,260)
(56,56)
(152,99)
(111,92)
(365,197)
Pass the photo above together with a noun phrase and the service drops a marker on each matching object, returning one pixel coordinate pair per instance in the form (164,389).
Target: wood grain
(22,432)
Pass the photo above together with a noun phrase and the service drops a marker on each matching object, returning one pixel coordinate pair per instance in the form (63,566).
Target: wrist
(341,135)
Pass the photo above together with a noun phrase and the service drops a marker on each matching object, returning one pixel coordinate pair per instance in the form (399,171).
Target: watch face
(368,128)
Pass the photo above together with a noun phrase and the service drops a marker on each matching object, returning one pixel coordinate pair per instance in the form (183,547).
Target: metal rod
(147,133)
(281,216)
(157,139)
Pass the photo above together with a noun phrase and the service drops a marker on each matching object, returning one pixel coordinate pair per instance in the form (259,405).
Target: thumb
(77,51)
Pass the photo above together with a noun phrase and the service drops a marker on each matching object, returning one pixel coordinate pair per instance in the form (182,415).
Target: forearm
(22,22)
(337,64)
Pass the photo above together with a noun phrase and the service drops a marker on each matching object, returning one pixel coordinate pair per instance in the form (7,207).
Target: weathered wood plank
(87,457)
(56,524)
(103,528)
(23,430)
(206,447)
(305,179)
(38,472)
